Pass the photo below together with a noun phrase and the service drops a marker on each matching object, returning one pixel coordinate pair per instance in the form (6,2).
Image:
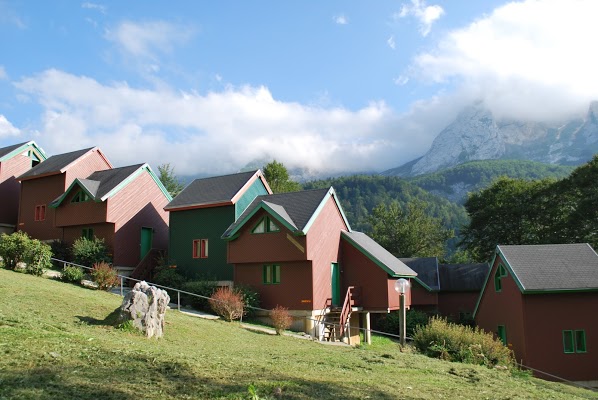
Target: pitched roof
(295,210)
(213,191)
(100,185)
(378,254)
(7,152)
(462,277)
(427,270)
(54,164)
(552,267)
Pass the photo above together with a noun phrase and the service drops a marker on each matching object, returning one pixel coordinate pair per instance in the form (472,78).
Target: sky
(338,86)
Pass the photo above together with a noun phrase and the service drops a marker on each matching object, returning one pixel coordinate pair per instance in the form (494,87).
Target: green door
(336,284)
(147,237)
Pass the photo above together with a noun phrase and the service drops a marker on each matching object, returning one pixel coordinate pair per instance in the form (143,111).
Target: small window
(265,225)
(574,341)
(80,197)
(500,273)
(40,213)
(271,274)
(87,233)
(200,248)
(501,332)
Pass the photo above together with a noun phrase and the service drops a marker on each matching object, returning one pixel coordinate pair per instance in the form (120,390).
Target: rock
(145,307)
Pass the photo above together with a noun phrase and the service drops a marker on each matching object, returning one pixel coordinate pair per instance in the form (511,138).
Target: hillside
(54,344)
(454,183)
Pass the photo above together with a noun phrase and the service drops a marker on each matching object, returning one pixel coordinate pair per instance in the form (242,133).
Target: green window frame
(500,273)
(80,197)
(501,332)
(574,341)
(265,225)
(87,233)
(271,274)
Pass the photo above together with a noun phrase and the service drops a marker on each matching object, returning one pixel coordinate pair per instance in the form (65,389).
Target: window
(40,213)
(265,225)
(501,272)
(87,233)
(271,274)
(574,341)
(80,197)
(501,332)
(200,248)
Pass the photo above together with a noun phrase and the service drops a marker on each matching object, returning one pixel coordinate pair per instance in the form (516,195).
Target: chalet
(298,251)
(49,180)
(124,206)
(201,213)
(15,160)
(425,287)
(541,300)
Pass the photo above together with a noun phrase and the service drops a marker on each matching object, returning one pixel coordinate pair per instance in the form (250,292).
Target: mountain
(477,135)
(454,183)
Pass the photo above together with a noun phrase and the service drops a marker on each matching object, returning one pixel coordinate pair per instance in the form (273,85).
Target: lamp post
(402,286)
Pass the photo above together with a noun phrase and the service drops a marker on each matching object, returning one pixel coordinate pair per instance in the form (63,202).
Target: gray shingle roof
(110,178)
(8,149)
(462,277)
(373,250)
(296,208)
(553,266)
(54,164)
(217,189)
(426,268)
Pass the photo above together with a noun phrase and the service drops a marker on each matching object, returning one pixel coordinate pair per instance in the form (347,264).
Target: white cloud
(3,74)
(217,132)
(426,15)
(533,59)
(401,80)
(391,42)
(340,19)
(93,6)
(147,39)
(7,129)
(9,17)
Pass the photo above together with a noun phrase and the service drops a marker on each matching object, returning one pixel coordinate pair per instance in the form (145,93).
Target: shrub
(169,277)
(88,252)
(251,299)
(281,319)
(202,288)
(71,273)
(13,248)
(453,342)
(61,251)
(415,318)
(104,275)
(227,303)
(37,257)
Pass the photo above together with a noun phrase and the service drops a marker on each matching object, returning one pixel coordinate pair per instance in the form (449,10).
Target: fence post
(121,286)
(178,294)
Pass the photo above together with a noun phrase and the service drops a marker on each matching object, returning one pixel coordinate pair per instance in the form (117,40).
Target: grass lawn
(55,345)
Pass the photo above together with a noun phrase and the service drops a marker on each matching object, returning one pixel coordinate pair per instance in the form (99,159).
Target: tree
(169,179)
(278,178)
(409,232)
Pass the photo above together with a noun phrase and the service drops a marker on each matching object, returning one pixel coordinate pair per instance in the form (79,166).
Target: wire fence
(364,331)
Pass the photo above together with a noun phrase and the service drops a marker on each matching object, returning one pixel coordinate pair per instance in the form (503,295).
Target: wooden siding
(257,188)
(293,291)
(104,231)
(10,188)
(422,298)
(201,223)
(504,308)
(40,191)
(546,317)
(84,166)
(451,304)
(77,214)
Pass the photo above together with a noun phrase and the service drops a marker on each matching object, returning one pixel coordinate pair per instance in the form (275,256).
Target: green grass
(54,343)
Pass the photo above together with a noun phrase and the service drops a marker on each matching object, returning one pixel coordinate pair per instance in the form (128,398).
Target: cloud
(426,15)
(92,6)
(340,19)
(218,132)
(3,74)
(7,129)
(533,59)
(391,42)
(148,39)
(9,17)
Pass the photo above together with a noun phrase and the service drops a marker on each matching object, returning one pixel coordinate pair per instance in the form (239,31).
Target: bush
(71,273)
(202,288)
(391,323)
(460,343)
(37,257)
(104,275)
(169,277)
(251,299)
(281,319)
(61,251)
(227,303)
(88,252)
(13,248)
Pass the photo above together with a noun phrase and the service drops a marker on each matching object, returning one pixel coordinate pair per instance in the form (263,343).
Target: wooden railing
(346,310)
(144,270)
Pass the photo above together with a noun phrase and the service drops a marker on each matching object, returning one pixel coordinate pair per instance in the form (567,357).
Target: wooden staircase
(144,271)
(336,320)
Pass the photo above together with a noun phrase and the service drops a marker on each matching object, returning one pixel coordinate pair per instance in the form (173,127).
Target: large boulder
(145,306)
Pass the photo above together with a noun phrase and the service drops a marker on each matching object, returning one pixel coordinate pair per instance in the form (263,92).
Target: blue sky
(329,86)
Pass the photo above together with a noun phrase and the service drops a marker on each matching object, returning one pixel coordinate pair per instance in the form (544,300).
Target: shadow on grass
(110,320)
